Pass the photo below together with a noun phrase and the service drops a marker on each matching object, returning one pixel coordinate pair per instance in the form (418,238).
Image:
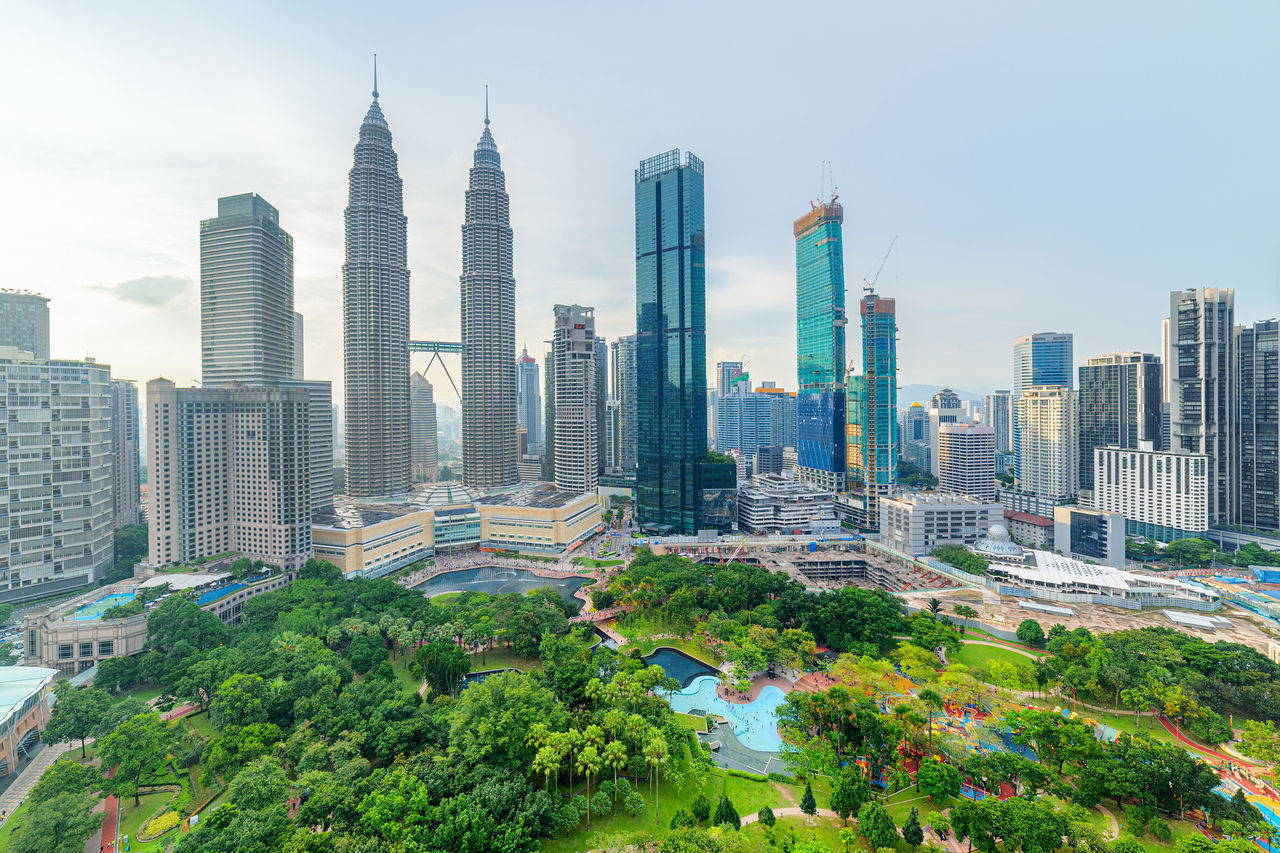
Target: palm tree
(935,607)
(589,762)
(547,762)
(654,753)
(615,758)
(932,700)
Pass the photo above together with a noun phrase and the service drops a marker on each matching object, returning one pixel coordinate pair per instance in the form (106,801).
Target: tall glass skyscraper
(624,389)
(820,350)
(671,341)
(873,433)
(489,443)
(246,294)
(375,317)
(529,398)
(1045,358)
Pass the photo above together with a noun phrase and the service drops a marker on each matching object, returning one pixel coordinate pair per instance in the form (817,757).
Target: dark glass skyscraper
(873,411)
(375,317)
(820,348)
(671,341)
(1118,405)
(489,444)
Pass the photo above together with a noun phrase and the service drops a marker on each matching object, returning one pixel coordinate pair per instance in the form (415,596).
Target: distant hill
(909,394)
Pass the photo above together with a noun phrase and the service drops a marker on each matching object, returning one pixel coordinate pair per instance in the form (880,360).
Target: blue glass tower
(873,411)
(1045,358)
(820,351)
(671,342)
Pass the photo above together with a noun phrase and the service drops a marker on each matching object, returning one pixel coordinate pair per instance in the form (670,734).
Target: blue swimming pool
(95,609)
(754,724)
(678,665)
(215,594)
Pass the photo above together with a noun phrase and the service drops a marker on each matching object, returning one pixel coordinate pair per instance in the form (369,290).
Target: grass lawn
(899,805)
(400,666)
(1123,721)
(594,563)
(200,724)
(823,829)
(132,818)
(748,797)
(146,693)
(502,658)
(696,724)
(976,657)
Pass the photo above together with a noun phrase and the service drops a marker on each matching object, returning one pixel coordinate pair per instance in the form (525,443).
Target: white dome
(998,531)
(998,543)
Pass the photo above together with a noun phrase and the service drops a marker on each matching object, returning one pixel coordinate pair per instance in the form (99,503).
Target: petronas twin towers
(375,311)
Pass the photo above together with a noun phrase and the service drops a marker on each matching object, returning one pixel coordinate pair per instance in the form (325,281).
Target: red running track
(111,811)
(1199,747)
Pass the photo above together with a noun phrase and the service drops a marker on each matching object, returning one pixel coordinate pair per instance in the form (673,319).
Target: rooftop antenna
(375,76)
(486,104)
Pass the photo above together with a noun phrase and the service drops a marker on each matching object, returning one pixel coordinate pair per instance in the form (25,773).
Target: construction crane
(870,286)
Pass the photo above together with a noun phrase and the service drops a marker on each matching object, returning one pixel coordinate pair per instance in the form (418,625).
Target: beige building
(71,636)
(229,470)
(371,540)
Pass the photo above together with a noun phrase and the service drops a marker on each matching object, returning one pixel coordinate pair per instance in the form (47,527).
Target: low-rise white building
(771,503)
(917,522)
(1163,496)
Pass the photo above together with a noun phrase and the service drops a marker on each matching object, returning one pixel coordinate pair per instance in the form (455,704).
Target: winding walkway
(789,811)
(18,790)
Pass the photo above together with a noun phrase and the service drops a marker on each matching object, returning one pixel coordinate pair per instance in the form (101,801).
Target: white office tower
(624,388)
(613,434)
(126,497)
(574,363)
(1163,496)
(247,322)
(967,460)
(56,475)
(1203,396)
(319,437)
(999,416)
(423,449)
(1048,451)
(944,408)
(24,322)
(229,470)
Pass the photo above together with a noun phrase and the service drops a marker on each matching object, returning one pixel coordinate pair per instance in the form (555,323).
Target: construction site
(831,564)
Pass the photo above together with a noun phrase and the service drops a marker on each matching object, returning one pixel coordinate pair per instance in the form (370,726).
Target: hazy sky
(1046,166)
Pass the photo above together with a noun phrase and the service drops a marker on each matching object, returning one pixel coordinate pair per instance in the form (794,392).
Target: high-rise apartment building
(126,497)
(1119,405)
(967,460)
(229,469)
(727,375)
(613,434)
(1256,498)
(423,449)
(319,437)
(744,420)
(488,324)
(873,421)
(1044,358)
(529,398)
(784,414)
(624,388)
(820,345)
(299,363)
(1048,459)
(1203,387)
(24,322)
(246,294)
(1163,496)
(671,341)
(944,408)
(602,402)
(999,416)
(576,443)
(549,414)
(375,317)
(56,475)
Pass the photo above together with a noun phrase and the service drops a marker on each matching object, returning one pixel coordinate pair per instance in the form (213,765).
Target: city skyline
(129,251)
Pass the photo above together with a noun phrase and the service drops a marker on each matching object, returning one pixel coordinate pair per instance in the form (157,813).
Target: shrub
(701,808)
(160,825)
(765,816)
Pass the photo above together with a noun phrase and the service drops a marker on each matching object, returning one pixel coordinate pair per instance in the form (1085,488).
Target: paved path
(1112,823)
(788,812)
(1198,747)
(106,839)
(30,775)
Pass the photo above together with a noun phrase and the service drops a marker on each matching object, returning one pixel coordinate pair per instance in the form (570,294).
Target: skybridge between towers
(438,348)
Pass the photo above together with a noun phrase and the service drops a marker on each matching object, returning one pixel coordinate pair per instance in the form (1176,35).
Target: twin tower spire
(375,297)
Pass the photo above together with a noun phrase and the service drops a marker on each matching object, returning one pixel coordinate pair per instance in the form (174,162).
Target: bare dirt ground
(1002,611)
